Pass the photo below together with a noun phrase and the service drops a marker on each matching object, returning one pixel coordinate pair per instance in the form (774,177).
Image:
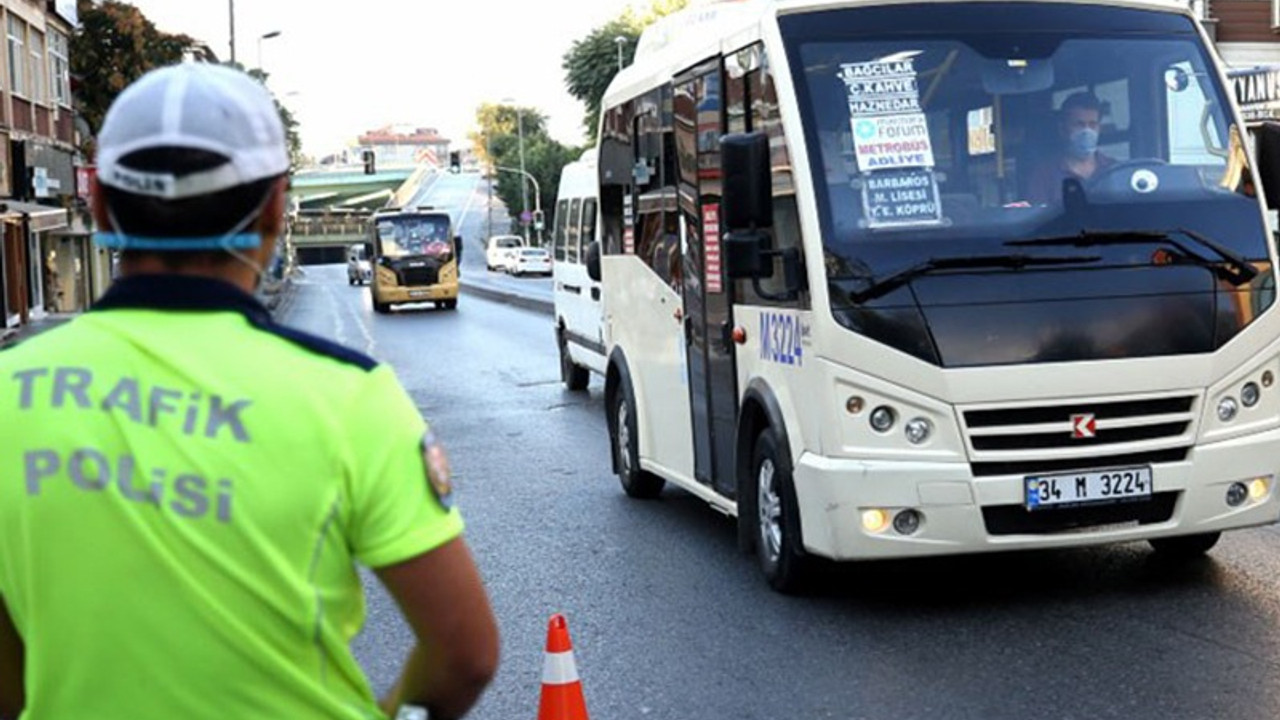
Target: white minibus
(894,279)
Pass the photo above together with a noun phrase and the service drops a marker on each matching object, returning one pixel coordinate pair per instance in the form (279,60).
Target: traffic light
(455,162)
(368,157)
(538,222)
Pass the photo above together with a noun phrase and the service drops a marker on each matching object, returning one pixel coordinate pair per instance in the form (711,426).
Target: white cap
(200,106)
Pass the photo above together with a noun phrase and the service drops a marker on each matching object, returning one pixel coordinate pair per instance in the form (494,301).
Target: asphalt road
(669,621)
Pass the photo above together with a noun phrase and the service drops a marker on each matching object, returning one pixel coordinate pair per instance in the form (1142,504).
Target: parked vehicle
(500,251)
(530,261)
(579,330)
(359,271)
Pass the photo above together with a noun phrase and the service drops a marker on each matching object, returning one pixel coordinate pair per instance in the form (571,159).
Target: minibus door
(707,308)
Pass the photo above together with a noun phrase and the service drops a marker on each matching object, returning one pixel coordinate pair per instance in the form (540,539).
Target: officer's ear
(271,222)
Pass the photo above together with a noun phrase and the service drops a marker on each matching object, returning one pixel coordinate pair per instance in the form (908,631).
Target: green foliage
(592,61)
(115,45)
(497,144)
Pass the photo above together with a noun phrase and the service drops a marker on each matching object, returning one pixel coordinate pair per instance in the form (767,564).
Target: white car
(500,251)
(359,271)
(530,261)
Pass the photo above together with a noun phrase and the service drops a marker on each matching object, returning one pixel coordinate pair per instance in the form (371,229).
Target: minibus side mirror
(747,203)
(1267,145)
(593,260)
(746,213)
(744,256)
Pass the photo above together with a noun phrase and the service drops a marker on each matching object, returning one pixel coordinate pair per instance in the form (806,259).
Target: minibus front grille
(1039,467)
(417,276)
(1039,415)
(1031,441)
(1077,430)
(1017,520)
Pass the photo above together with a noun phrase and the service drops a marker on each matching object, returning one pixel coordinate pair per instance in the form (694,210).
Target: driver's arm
(12,695)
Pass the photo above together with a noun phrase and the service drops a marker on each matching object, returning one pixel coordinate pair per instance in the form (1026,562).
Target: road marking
(471,199)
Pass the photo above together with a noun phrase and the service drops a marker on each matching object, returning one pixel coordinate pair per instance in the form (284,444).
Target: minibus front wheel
(779,544)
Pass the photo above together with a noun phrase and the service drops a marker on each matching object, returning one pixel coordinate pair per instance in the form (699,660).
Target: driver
(1080,118)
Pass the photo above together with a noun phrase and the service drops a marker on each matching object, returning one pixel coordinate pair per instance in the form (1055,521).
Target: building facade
(1247,35)
(47,264)
(396,147)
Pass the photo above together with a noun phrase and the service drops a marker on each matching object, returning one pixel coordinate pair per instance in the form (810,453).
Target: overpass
(331,207)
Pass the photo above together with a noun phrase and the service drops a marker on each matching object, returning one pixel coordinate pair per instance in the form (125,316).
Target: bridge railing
(309,226)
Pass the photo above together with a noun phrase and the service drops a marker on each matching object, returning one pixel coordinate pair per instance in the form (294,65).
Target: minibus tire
(381,308)
(636,483)
(574,376)
(449,304)
(1184,547)
(786,566)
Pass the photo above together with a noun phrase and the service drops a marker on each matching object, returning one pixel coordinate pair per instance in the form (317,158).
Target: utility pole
(488,157)
(524,193)
(232,4)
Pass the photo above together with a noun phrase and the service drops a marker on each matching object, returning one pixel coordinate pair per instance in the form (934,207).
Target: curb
(545,307)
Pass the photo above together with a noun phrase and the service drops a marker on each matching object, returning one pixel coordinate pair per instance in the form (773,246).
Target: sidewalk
(12,336)
(279,302)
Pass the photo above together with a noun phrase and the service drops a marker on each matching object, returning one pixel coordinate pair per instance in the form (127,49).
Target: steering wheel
(1138,175)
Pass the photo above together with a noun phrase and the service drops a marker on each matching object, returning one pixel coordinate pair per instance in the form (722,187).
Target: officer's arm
(444,601)
(12,697)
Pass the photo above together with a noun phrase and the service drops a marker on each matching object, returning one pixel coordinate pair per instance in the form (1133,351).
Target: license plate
(418,293)
(1098,486)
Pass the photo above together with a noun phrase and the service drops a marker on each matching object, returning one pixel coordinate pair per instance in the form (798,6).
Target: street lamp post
(232,12)
(524,192)
(620,41)
(537,198)
(488,156)
(265,36)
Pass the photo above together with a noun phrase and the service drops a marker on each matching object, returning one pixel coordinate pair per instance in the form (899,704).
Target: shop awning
(42,217)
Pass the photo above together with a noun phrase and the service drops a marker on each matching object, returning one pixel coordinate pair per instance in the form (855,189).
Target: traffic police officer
(186,487)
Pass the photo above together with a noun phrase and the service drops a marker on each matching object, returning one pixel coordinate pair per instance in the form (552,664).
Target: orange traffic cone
(561,688)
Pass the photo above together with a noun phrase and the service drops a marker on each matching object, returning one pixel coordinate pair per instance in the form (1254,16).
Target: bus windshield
(985,128)
(402,236)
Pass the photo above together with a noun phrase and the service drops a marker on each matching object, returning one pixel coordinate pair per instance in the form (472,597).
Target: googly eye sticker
(1144,181)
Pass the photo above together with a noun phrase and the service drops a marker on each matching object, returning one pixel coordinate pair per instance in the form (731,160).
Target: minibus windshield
(984,127)
(401,236)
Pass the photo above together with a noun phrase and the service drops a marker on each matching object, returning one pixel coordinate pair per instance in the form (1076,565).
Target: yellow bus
(415,258)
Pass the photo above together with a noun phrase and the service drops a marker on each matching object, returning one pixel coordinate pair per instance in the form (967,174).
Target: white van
(579,326)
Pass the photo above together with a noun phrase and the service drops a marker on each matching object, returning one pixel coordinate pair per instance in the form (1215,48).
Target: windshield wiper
(970,262)
(1243,271)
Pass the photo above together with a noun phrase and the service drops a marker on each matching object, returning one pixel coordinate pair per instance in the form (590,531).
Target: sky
(346,67)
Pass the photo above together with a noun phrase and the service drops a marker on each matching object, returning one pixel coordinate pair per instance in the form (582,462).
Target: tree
(497,144)
(115,45)
(592,61)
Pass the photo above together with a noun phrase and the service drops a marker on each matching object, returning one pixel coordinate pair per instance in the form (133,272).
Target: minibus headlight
(918,431)
(1250,394)
(882,419)
(1227,409)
